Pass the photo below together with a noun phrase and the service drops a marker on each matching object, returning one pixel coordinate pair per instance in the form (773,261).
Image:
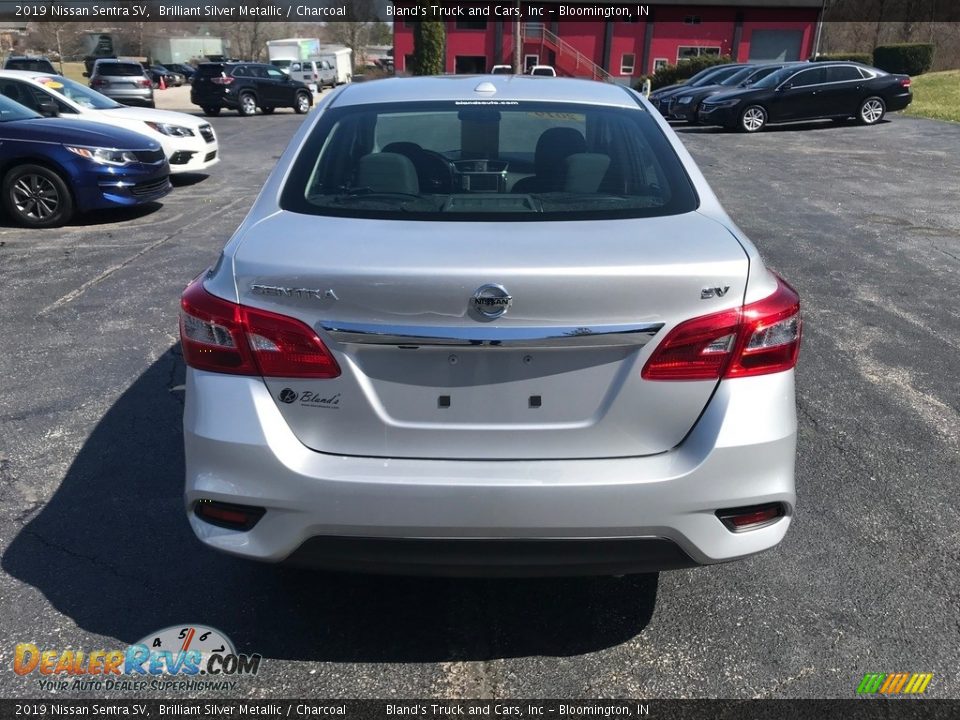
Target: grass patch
(937,96)
(74,71)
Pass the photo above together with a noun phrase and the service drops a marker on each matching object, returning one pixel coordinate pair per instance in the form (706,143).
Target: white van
(315,73)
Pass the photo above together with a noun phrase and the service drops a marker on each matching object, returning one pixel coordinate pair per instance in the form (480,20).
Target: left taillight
(222,336)
(757,339)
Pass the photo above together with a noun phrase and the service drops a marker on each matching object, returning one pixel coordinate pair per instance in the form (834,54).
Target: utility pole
(517,43)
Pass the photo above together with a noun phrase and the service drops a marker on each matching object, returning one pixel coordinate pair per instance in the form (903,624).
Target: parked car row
(749,97)
(68,148)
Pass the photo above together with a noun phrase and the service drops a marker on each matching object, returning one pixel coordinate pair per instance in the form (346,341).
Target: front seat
(553,148)
(387,173)
(433,172)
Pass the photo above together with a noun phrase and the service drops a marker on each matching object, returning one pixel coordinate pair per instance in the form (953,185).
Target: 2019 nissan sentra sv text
(493,324)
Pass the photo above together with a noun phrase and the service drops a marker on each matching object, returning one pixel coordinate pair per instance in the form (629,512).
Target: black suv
(244,87)
(30,63)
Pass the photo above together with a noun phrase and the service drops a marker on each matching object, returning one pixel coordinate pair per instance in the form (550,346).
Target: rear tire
(301,104)
(211,111)
(871,111)
(247,105)
(36,196)
(752,119)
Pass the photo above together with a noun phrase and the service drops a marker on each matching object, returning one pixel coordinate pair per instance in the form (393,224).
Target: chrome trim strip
(631,335)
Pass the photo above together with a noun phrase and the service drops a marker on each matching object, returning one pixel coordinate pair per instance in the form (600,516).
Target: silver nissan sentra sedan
(489,325)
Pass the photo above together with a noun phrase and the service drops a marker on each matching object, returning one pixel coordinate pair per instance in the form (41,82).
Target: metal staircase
(568,59)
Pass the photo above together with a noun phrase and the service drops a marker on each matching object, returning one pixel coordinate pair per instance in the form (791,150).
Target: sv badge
(710,292)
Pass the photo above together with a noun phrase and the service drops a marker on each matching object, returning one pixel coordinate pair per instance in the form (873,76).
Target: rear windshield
(121,69)
(488,160)
(716,77)
(211,69)
(32,65)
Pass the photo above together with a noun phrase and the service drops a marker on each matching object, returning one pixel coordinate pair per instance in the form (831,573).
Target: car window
(12,110)
(119,69)
(716,77)
(774,79)
(34,65)
(843,73)
(517,161)
(211,70)
(273,73)
(808,77)
(739,76)
(80,94)
(19,92)
(757,75)
(242,71)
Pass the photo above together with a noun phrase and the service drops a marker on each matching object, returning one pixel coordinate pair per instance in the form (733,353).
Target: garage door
(775,45)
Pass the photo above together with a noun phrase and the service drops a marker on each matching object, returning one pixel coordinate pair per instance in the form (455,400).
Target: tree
(354,31)
(428,50)
(55,37)
(381,34)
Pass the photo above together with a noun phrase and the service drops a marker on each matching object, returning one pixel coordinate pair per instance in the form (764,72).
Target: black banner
(121,11)
(438,709)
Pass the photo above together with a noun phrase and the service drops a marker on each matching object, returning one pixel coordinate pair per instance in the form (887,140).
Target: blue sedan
(52,168)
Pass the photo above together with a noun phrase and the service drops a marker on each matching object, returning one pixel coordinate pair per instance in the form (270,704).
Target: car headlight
(104,156)
(171,130)
(723,103)
(685,100)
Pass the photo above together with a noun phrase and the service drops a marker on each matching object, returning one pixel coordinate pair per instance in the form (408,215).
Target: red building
(635,41)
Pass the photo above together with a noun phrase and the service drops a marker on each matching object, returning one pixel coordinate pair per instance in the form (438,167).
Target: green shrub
(428,50)
(673,74)
(904,58)
(865,58)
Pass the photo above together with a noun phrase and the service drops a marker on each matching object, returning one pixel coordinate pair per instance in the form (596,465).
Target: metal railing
(583,66)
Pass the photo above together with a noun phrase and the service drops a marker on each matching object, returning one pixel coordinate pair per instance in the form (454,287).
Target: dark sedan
(826,90)
(686,102)
(707,76)
(669,99)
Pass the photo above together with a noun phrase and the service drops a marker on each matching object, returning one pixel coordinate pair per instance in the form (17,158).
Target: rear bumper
(900,101)
(214,99)
(132,96)
(486,558)
(240,450)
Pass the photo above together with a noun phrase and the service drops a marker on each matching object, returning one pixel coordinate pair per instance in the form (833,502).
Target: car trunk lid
(426,372)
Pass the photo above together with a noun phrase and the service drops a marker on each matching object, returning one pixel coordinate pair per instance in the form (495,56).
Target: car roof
(528,88)
(27,74)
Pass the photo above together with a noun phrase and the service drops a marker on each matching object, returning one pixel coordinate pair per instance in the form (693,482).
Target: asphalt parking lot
(96,553)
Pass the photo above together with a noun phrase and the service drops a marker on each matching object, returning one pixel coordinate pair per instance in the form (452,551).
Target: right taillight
(760,338)
(225,337)
(223,80)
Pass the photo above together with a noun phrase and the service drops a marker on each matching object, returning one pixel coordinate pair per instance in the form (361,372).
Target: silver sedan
(489,324)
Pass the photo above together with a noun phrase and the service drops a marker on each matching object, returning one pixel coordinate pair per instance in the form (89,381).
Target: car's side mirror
(785,86)
(48,108)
